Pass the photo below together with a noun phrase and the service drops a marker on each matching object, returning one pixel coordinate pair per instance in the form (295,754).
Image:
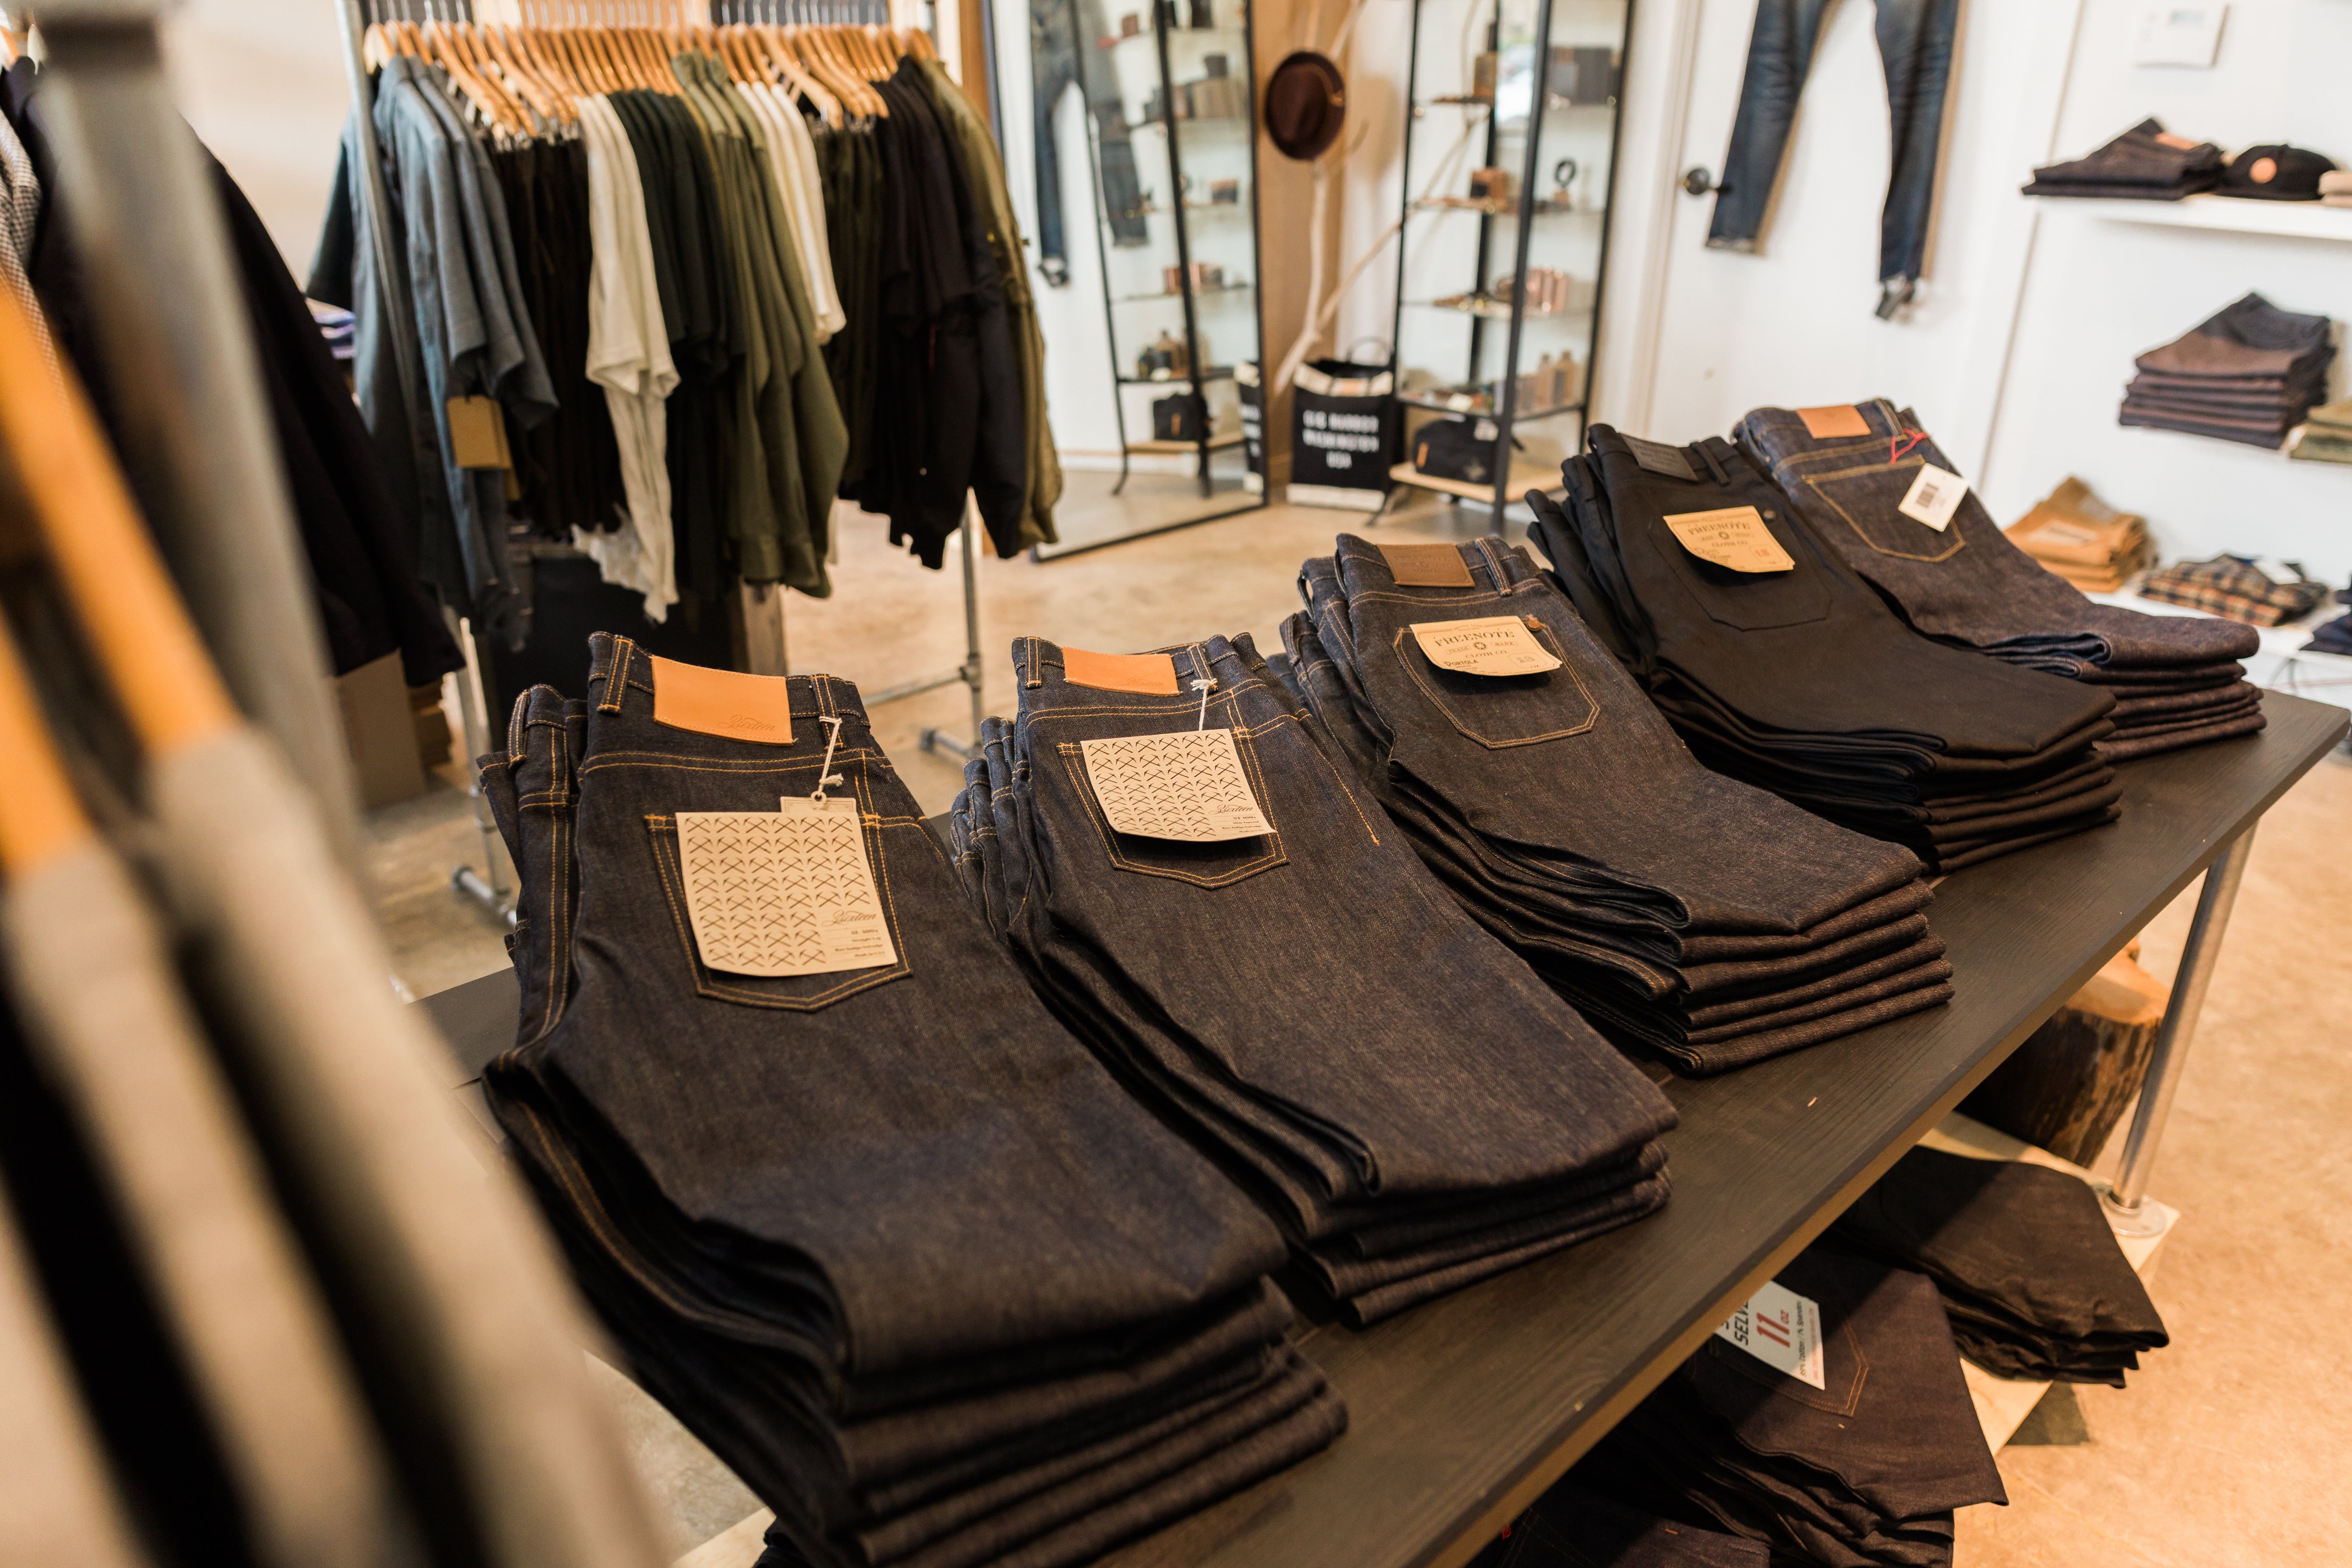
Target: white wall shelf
(2233,215)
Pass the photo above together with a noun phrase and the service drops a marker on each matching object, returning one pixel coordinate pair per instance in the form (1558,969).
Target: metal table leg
(2128,1210)
(936,740)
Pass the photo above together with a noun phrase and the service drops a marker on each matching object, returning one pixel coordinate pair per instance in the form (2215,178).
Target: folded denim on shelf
(2233,586)
(2147,161)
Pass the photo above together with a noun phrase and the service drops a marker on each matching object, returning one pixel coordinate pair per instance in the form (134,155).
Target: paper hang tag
(1425,566)
(1490,645)
(1187,785)
(782,893)
(1782,1330)
(2278,571)
(1933,496)
(478,437)
(1146,674)
(1732,536)
(1833,421)
(1660,459)
(757,708)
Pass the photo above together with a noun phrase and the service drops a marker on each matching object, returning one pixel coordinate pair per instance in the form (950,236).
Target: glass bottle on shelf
(1510,153)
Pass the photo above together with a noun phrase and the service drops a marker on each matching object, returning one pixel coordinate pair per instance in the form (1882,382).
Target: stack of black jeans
(2249,373)
(1680,910)
(1568,1527)
(2176,679)
(2030,1275)
(1865,1471)
(2336,635)
(889,1240)
(1802,680)
(2147,163)
(1412,1105)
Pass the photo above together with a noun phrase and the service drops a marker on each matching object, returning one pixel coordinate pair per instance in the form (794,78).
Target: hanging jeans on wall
(1062,50)
(1915,42)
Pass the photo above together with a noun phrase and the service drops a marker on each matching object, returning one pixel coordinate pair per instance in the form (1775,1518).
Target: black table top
(1463,1410)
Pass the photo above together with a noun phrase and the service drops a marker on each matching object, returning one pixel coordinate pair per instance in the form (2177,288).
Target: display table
(1463,1410)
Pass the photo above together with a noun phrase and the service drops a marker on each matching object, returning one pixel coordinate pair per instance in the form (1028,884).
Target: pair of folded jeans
(1970,585)
(2147,163)
(887,1238)
(1684,913)
(1787,669)
(1410,1104)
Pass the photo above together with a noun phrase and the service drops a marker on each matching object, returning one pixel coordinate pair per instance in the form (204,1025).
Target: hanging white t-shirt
(791,160)
(628,356)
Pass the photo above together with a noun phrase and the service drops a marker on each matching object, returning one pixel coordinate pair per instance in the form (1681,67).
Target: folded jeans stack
(1682,911)
(885,1238)
(2248,374)
(1568,1527)
(2032,1279)
(2075,535)
(2336,635)
(1858,1463)
(2259,592)
(2325,434)
(2147,163)
(2176,679)
(1413,1106)
(1785,668)
(2336,188)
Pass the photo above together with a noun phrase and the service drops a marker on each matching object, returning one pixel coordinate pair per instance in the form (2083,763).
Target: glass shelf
(1216,373)
(1466,205)
(1446,400)
(1494,310)
(1197,294)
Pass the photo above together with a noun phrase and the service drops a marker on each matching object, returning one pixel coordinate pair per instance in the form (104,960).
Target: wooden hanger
(784,68)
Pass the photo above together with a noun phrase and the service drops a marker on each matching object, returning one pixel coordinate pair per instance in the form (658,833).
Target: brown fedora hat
(1306,103)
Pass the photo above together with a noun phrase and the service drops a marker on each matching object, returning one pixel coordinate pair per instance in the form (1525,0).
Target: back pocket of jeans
(790,993)
(1211,865)
(1500,711)
(1866,499)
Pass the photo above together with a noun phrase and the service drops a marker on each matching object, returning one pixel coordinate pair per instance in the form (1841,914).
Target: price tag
(2278,571)
(1187,785)
(1933,496)
(1734,536)
(1782,1330)
(1491,645)
(782,893)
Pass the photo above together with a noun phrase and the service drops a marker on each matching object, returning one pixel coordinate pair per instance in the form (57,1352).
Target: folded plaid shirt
(2231,586)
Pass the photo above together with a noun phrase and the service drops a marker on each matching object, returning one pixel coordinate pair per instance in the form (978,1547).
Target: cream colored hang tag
(782,893)
(1733,536)
(1782,1330)
(478,434)
(1933,496)
(1187,785)
(1490,645)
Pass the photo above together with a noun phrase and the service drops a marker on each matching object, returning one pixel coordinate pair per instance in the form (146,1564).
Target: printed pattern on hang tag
(1782,1330)
(1487,645)
(1187,785)
(1661,459)
(1934,497)
(782,893)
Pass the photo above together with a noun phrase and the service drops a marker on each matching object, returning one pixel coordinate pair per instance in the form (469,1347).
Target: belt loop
(1036,668)
(820,688)
(616,677)
(1705,449)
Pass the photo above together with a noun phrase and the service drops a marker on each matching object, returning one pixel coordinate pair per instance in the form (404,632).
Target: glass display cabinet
(1510,156)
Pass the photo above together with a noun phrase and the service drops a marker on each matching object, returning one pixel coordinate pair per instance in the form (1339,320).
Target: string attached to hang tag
(1204,686)
(826,775)
(1901,442)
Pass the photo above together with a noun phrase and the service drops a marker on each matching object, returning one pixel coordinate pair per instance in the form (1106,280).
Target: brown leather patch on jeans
(1425,566)
(757,708)
(1148,674)
(1836,420)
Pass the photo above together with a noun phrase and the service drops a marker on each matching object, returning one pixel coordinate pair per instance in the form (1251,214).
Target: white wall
(2101,292)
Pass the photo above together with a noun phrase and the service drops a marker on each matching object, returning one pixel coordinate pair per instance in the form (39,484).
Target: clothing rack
(492,887)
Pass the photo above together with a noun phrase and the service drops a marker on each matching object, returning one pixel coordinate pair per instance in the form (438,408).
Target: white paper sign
(2179,36)
(1187,784)
(782,893)
(1782,1330)
(2278,571)
(1490,644)
(1933,496)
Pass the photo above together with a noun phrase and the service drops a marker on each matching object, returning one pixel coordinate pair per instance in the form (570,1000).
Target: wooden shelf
(1524,477)
(2227,214)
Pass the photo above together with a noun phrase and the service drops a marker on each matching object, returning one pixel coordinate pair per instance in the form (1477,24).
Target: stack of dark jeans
(1680,910)
(1865,1471)
(1803,681)
(2336,635)
(1413,1107)
(1568,1527)
(889,1240)
(2147,163)
(2030,1275)
(2250,373)
(2176,680)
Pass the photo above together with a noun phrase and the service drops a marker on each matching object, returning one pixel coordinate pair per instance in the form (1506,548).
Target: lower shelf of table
(1524,477)
(1179,448)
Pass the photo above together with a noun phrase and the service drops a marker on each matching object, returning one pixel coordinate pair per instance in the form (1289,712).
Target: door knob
(1699,182)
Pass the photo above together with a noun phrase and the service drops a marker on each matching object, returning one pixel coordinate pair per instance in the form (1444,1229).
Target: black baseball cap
(2274,171)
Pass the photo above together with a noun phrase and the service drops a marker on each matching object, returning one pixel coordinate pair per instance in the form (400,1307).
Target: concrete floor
(2240,1423)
